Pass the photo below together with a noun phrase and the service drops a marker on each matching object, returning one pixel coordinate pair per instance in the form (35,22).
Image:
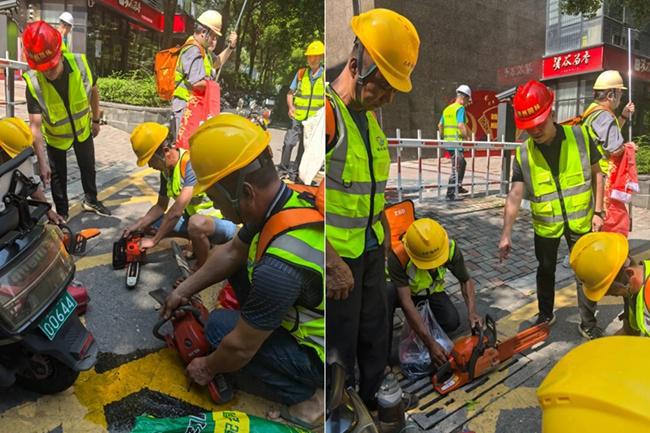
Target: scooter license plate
(54,320)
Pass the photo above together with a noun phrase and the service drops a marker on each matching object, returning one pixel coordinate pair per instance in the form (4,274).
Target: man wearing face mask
(383,56)
(195,62)
(601,262)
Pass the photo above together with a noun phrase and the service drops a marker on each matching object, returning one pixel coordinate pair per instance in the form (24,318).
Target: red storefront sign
(482,114)
(616,58)
(146,15)
(573,63)
(513,75)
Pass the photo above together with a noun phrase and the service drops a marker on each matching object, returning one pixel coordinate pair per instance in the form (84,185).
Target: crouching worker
(275,264)
(601,262)
(421,252)
(15,137)
(192,215)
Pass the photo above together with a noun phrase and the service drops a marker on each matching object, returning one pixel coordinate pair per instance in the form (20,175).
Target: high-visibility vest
(183,86)
(303,246)
(594,110)
(308,98)
(565,199)
(355,183)
(199,203)
(56,126)
(421,281)
(640,314)
(450,129)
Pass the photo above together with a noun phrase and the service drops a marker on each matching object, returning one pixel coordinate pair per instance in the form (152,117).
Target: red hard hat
(42,44)
(532,103)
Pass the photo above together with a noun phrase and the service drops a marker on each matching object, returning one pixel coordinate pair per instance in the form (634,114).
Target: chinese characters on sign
(567,60)
(641,65)
(575,62)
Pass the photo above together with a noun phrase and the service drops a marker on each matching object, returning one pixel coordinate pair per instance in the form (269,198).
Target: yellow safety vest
(355,182)
(199,203)
(56,126)
(565,199)
(594,111)
(450,122)
(420,280)
(308,98)
(640,313)
(183,88)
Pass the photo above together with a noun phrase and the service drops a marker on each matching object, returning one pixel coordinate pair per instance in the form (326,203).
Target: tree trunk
(169,7)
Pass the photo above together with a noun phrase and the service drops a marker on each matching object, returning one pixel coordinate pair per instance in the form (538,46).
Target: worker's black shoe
(543,318)
(590,333)
(97,207)
(462,190)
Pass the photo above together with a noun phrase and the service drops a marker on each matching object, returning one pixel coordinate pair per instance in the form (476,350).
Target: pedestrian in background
(453,127)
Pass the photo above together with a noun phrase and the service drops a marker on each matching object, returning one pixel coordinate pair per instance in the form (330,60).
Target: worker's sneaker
(543,318)
(96,206)
(462,190)
(590,333)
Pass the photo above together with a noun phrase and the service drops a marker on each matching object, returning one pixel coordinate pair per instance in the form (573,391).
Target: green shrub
(643,155)
(135,88)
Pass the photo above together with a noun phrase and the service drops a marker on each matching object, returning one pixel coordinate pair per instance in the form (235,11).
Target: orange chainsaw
(480,353)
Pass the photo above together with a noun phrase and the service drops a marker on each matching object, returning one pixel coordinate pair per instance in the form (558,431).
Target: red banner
(573,63)
(616,58)
(146,15)
(514,75)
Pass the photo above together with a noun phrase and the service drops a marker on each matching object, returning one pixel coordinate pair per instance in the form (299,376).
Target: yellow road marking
(131,200)
(521,397)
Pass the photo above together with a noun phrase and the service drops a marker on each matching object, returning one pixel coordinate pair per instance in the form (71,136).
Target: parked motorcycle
(259,114)
(43,344)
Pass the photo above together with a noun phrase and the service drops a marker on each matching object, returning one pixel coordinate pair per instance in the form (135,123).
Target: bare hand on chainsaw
(173,301)
(437,353)
(199,370)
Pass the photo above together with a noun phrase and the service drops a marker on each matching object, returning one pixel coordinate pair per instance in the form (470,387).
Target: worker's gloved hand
(505,245)
(199,371)
(173,301)
(437,353)
(147,243)
(340,281)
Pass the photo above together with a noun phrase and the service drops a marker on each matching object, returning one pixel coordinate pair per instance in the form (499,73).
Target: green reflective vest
(421,281)
(595,112)
(450,122)
(566,198)
(183,88)
(56,126)
(305,248)
(355,182)
(640,313)
(199,203)
(308,98)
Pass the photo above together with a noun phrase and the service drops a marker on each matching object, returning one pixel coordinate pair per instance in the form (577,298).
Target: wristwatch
(600,213)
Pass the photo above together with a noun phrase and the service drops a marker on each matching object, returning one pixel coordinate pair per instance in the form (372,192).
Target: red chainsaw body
(188,337)
(133,251)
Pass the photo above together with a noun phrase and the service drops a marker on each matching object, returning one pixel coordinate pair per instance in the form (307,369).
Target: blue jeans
(224,230)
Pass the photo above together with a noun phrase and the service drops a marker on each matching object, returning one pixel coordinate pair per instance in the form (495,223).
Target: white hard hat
(465,90)
(609,80)
(66,17)
(212,20)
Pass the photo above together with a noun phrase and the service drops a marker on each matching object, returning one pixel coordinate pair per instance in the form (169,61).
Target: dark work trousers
(458,165)
(85,153)
(357,328)
(546,253)
(294,135)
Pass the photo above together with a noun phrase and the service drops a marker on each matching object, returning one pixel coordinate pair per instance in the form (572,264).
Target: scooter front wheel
(46,375)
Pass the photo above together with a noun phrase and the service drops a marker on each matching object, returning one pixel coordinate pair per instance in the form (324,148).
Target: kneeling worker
(277,337)
(191,215)
(601,262)
(417,266)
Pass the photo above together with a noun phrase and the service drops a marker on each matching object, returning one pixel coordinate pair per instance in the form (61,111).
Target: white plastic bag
(314,139)
(414,357)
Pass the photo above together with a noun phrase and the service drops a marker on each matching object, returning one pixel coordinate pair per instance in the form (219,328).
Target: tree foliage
(639,9)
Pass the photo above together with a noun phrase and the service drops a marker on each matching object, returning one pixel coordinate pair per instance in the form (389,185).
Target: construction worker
(65,27)
(63,106)
(15,137)
(195,62)
(453,126)
(601,262)
(304,99)
(597,387)
(557,170)
(275,265)
(357,165)
(191,216)
(417,272)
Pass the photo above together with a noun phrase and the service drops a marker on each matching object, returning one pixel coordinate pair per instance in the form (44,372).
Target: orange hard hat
(532,103)
(42,44)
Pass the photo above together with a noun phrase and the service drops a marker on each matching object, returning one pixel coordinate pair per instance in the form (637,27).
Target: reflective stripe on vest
(640,319)
(305,248)
(450,122)
(572,203)
(56,127)
(420,280)
(308,99)
(595,112)
(183,88)
(199,203)
(355,182)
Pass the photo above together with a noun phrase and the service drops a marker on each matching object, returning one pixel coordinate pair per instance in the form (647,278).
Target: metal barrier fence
(476,148)
(9,67)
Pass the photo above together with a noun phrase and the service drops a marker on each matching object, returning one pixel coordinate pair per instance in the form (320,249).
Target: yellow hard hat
(596,259)
(427,244)
(15,135)
(316,48)
(392,42)
(146,138)
(609,80)
(222,145)
(598,387)
(212,20)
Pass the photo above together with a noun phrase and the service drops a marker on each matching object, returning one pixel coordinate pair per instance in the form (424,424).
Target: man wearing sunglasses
(190,216)
(600,260)
(357,166)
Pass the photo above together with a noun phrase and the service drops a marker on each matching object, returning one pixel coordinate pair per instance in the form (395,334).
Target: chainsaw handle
(187,308)
(443,373)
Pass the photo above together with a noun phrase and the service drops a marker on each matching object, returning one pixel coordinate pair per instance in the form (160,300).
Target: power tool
(127,253)
(75,243)
(481,353)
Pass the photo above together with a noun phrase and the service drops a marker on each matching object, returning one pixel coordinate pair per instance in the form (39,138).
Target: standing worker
(304,99)
(453,127)
(384,54)
(65,27)
(557,169)
(63,106)
(195,62)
